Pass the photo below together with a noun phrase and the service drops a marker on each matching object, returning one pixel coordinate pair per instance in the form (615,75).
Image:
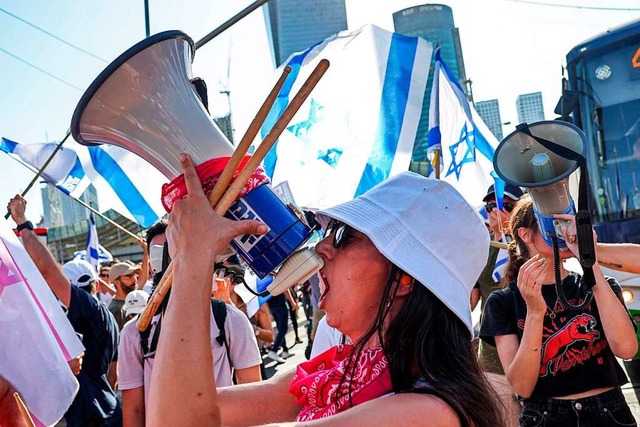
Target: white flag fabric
(92,251)
(64,170)
(465,142)
(133,184)
(36,339)
(358,126)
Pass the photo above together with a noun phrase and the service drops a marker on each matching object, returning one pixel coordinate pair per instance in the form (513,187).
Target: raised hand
(530,281)
(17,207)
(196,233)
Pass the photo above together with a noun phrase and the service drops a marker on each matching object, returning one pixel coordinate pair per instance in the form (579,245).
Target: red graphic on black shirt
(556,353)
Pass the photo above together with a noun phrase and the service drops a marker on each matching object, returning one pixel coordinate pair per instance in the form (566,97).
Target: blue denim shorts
(605,409)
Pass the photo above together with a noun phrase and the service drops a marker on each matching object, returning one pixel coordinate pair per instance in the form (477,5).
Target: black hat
(512,191)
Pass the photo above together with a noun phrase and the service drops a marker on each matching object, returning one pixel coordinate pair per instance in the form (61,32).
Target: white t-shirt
(134,372)
(326,337)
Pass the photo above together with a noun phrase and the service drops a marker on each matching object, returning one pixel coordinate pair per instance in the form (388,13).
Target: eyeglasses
(104,274)
(508,206)
(339,231)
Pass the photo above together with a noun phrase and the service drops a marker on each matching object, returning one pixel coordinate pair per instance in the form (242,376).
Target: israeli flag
(92,243)
(358,126)
(64,171)
(134,186)
(466,144)
(104,256)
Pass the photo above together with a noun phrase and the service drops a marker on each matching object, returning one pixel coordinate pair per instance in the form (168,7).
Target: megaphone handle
(247,139)
(273,135)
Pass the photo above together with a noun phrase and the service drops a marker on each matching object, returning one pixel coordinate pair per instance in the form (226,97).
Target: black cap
(512,191)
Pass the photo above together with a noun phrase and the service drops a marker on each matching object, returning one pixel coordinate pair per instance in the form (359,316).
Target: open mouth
(324,287)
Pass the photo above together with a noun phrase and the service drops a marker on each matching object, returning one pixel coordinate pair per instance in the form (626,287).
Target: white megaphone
(144,102)
(521,159)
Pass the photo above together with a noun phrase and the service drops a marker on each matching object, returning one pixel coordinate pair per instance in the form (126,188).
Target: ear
(525,234)
(406,285)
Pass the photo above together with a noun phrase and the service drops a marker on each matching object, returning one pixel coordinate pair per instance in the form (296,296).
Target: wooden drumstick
(229,196)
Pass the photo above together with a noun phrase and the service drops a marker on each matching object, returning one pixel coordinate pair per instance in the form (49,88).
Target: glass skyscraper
(60,209)
(295,25)
(434,23)
(529,107)
(489,111)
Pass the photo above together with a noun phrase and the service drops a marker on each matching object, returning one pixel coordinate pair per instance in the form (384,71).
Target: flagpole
(39,174)
(237,17)
(106,219)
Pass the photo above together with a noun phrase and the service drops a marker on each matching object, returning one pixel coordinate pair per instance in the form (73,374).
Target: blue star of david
(301,130)
(468,138)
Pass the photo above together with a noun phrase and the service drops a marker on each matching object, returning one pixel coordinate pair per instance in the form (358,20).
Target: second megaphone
(144,102)
(529,158)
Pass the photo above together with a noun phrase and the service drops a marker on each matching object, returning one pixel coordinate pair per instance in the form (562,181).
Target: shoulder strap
(219,309)
(144,340)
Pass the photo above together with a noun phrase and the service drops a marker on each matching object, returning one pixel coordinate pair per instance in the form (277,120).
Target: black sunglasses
(508,206)
(339,231)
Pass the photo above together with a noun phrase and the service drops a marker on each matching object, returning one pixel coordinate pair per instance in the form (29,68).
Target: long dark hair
(522,216)
(429,351)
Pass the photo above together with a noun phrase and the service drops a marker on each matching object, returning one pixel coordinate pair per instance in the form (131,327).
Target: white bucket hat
(426,228)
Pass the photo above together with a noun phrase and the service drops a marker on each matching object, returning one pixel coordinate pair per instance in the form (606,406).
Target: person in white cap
(135,303)
(399,264)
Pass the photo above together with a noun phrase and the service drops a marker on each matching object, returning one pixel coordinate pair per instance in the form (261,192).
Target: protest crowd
(388,310)
(372,343)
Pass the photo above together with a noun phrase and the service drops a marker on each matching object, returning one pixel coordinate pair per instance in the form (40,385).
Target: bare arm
(271,399)
(112,375)
(619,331)
(184,363)
(521,360)
(144,265)
(39,253)
(248,375)
(614,317)
(406,409)
(620,256)
(133,407)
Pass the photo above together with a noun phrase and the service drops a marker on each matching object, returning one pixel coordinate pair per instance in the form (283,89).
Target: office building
(529,107)
(434,23)
(60,209)
(489,111)
(295,25)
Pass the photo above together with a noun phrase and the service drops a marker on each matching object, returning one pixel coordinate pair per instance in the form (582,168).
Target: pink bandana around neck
(317,385)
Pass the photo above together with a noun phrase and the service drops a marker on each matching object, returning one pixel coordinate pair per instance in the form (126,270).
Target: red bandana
(209,172)
(318,388)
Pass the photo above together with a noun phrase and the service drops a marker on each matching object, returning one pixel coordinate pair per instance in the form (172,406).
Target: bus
(601,95)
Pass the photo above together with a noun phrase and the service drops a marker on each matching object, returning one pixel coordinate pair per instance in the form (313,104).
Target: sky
(510,47)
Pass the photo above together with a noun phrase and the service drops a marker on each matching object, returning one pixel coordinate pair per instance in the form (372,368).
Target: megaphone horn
(144,102)
(522,159)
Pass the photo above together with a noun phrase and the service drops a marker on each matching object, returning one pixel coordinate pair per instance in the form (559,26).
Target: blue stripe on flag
(7,145)
(271,159)
(395,94)
(104,164)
